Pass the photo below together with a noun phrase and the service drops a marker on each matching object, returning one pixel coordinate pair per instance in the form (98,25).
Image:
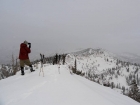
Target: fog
(59,26)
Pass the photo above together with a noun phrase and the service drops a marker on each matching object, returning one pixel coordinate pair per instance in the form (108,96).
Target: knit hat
(25,42)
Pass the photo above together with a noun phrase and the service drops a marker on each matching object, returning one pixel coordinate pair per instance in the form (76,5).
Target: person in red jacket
(23,56)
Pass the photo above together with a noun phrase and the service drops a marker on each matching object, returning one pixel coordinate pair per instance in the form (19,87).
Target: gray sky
(66,25)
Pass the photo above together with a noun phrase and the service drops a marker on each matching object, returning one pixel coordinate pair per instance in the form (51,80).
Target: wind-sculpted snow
(57,89)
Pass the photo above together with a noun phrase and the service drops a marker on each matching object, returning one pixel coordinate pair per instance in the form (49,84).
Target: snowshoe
(31,68)
(22,73)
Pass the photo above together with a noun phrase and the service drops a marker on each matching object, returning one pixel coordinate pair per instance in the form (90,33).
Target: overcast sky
(65,25)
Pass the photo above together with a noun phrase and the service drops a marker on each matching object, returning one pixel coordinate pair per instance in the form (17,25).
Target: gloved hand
(29,45)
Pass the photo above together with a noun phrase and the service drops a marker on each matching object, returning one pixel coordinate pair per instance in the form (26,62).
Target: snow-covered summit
(88,51)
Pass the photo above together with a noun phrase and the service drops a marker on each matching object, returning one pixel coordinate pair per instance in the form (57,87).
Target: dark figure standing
(56,58)
(23,56)
(59,58)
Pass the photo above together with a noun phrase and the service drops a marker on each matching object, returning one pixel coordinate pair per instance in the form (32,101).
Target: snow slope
(102,66)
(57,89)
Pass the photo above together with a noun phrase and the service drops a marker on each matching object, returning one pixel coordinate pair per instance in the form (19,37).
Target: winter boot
(22,70)
(31,68)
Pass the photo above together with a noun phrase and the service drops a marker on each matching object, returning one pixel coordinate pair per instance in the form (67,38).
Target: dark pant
(25,62)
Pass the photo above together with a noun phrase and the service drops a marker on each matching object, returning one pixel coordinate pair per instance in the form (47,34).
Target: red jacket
(24,51)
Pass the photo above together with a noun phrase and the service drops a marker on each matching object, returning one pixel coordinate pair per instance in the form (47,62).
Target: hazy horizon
(61,26)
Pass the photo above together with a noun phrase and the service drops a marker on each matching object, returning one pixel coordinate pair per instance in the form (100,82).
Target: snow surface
(57,89)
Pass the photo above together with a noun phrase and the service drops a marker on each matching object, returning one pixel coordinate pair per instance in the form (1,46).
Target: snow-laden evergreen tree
(134,92)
